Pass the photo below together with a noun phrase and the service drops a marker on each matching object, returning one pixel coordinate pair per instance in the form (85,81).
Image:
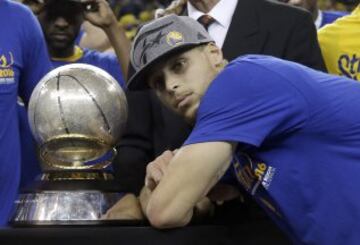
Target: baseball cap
(68,8)
(75,6)
(159,39)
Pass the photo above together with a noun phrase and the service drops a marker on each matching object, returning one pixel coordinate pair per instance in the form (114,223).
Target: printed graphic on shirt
(252,173)
(256,177)
(349,65)
(7,74)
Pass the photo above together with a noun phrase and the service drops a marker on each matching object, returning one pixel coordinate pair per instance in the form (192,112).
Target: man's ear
(215,55)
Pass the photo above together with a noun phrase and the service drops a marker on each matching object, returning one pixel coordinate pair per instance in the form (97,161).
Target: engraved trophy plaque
(77,113)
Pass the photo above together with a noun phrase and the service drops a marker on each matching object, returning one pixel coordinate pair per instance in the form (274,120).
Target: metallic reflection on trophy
(77,113)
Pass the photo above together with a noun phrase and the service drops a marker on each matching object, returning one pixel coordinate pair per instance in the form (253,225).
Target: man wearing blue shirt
(61,22)
(289,134)
(23,62)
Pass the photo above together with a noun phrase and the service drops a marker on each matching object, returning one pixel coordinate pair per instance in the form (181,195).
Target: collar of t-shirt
(222,12)
(77,55)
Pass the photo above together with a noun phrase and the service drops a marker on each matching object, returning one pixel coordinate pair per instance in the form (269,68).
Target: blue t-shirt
(105,60)
(30,165)
(23,61)
(298,135)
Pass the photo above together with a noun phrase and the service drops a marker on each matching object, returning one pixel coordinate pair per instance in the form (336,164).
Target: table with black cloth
(259,232)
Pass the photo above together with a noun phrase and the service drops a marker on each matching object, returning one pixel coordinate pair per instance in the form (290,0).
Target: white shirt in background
(318,20)
(222,12)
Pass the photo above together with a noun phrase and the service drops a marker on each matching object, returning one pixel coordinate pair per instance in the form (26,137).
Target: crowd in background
(132,13)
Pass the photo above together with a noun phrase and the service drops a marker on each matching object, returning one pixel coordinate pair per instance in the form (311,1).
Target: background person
(61,22)
(340,45)
(21,67)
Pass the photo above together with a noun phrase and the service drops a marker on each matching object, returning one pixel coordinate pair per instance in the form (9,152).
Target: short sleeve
(248,103)
(35,55)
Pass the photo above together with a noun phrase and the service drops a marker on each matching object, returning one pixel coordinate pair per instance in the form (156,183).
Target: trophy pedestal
(62,198)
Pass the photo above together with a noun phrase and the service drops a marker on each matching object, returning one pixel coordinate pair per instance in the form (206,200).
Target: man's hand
(103,17)
(223,192)
(203,208)
(127,208)
(156,169)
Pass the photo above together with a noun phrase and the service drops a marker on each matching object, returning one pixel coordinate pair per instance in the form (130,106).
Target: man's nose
(172,85)
(61,22)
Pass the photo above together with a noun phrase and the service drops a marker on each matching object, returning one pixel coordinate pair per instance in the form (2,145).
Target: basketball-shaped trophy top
(77,113)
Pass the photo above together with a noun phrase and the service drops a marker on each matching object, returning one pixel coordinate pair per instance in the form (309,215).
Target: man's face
(61,22)
(181,81)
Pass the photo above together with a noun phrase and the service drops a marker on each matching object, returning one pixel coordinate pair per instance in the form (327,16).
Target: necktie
(206,20)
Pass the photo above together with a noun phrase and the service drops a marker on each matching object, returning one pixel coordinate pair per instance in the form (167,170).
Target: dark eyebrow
(168,58)
(175,58)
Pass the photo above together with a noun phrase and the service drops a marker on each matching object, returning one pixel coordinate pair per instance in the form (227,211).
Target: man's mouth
(59,36)
(182,101)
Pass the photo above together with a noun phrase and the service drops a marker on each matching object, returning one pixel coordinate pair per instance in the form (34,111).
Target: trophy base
(67,202)
(77,223)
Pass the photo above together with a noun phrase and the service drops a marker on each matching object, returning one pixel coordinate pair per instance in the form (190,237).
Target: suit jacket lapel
(244,35)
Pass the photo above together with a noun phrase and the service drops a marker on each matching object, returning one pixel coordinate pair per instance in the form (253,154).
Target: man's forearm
(106,20)
(121,45)
(161,220)
(203,208)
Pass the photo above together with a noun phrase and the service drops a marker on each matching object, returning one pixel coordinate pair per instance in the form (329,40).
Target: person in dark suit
(259,27)
(253,27)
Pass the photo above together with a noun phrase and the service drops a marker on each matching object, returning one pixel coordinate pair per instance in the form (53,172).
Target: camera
(90,6)
(87,6)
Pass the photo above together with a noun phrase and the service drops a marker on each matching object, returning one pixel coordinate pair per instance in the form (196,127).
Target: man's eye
(158,86)
(179,65)
(156,83)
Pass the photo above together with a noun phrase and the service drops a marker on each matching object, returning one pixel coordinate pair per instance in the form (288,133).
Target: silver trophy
(77,113)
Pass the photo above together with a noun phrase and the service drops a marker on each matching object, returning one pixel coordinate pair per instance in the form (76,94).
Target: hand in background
(223,192)
(127,208)
(102,16)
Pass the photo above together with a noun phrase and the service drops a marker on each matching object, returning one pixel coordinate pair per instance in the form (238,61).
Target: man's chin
(60,42)
(189,115)
(59,49)
(59,45)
